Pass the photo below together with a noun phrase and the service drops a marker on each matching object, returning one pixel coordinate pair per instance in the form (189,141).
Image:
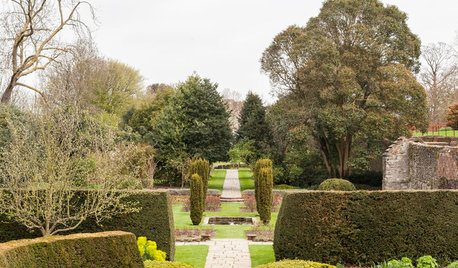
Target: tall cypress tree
(253,124)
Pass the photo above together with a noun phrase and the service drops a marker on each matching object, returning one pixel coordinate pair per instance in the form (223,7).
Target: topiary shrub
(336,185)
(202,168)
(196,199)
(265,186)
(261,163)
(166,264)
(295,264)
(106,249)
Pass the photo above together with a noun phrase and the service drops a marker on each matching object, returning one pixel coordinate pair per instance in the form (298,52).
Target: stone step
(230,200)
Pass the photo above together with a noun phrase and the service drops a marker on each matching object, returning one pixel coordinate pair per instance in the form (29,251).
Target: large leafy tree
(194,123)
(253,124)
(352,69)
(143,119)
(296,156)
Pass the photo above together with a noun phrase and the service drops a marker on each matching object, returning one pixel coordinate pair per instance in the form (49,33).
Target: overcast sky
(166,40)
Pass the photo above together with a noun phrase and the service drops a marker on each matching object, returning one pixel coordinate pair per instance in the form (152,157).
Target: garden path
(231,186)
(229,252)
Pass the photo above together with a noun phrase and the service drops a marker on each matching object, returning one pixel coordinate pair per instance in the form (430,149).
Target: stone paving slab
(228,253)
(231,186)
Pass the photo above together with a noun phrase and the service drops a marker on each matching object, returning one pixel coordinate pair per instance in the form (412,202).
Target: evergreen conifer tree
(253,124)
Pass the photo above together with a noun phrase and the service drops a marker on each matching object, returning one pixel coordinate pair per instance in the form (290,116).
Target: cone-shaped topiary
(265,186)
(336,185)
(202,168)
(261,163)
(196,186)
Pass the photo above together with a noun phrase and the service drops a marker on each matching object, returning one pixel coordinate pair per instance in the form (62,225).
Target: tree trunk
(324,149)
(344,149)
(6,97)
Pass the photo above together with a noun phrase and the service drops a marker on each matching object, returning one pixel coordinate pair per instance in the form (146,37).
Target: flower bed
(212,204)
(193,235)
(260,232)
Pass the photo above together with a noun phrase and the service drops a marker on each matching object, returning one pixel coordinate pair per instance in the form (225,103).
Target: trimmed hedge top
(166,264)
(296,264)
(362,227)
(107,249)
(336,185)
(154,220)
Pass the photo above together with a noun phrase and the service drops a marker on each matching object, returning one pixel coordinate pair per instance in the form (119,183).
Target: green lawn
(441,132)
(261,254)
(216,180)
(246,179)
(194,255)
(182,220)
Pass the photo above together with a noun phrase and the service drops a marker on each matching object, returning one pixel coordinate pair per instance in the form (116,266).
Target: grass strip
(193,254)
(216,180)
(246,179)
(261,254)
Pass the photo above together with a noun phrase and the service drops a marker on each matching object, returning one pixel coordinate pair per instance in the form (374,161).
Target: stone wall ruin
(429,162)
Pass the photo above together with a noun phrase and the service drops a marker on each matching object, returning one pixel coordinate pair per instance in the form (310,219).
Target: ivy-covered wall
(421,163)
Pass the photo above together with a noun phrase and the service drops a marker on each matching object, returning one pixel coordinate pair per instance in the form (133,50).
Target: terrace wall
(421,163)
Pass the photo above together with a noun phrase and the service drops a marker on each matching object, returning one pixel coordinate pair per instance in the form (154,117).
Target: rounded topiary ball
(336,185)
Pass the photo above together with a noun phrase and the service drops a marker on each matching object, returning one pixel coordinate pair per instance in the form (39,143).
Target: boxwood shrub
(362,227)
(107,249)
(154,220)
(336,185)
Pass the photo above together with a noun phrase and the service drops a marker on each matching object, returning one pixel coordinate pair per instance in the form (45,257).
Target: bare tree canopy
(439,76)
(30,37)
(58,168)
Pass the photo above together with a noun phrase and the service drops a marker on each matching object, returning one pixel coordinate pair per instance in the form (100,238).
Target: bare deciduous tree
(92,81)
(32,29)
(440,77)
(47,160)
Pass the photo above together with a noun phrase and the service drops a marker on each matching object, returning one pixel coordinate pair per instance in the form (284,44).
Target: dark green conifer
(196,199)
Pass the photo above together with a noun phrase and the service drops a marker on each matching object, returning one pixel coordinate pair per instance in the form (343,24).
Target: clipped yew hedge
(364,227)
(106,249)
(295,264)
(154,220)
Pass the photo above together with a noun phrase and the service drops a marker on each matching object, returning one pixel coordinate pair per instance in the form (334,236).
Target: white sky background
(166,40)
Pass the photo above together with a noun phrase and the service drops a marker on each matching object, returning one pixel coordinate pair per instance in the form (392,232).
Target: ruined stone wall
(421,163)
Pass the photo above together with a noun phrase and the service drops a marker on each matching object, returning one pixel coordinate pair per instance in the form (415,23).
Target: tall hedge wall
(107,249)
(363,227)
(154,220)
